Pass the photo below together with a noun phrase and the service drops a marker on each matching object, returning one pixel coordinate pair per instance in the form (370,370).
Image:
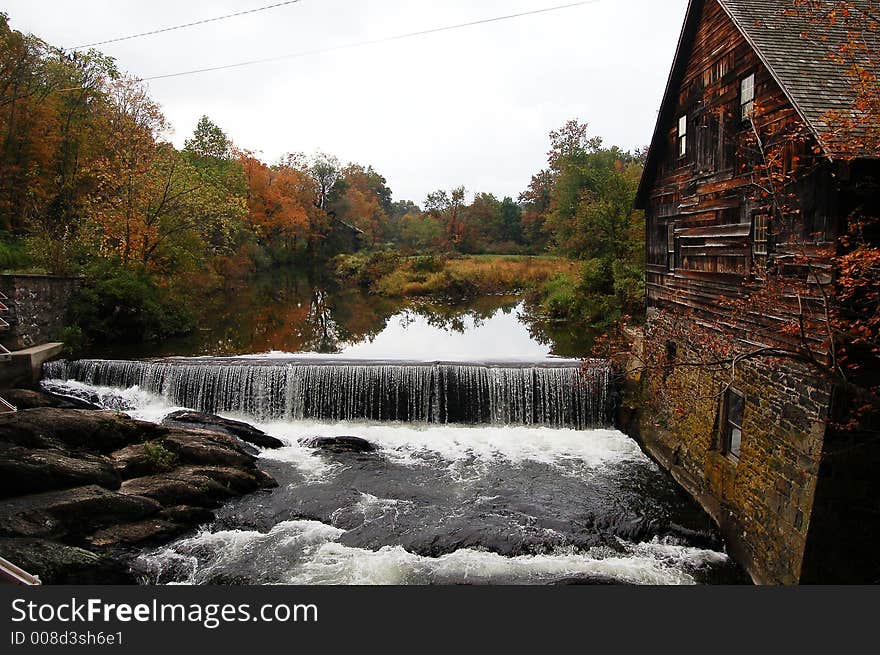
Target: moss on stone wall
(763,502)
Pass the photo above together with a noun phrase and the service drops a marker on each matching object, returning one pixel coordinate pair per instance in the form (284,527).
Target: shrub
(13,254)
(559,297)
(427,264)
(160,458)
(120,305)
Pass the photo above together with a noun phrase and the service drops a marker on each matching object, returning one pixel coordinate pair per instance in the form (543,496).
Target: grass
(391,275)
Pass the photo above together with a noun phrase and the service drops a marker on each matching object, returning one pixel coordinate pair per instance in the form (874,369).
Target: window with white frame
(761,238)
(670,247)
(747,97)
(682,136)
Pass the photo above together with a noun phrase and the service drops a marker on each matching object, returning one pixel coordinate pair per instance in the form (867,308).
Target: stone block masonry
(777,503)
(38,307)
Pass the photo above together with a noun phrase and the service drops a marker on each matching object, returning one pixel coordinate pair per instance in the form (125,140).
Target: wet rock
(135,462)
(71,514)
(187,515)
(140,533)
(340,445)
(59,564)
(205,486)
(25,471)
(207,448)
(101,432)
(243,431)
(29,399)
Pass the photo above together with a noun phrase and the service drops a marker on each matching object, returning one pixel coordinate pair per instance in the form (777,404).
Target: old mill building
(759,160)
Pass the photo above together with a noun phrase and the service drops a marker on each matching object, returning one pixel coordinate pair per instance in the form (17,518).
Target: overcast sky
(468,107)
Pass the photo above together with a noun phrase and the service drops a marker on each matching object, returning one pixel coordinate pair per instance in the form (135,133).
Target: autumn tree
(280,201)
(447,208)
(361,198)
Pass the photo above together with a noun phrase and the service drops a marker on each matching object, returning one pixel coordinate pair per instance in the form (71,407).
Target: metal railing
(11,574)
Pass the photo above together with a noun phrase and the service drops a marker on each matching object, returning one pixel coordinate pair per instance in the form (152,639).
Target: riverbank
(391,275)
(81,487)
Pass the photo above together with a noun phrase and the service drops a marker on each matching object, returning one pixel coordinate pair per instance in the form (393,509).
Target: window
(682,136)
(761,238)
(747,97)
(734,410)
(670,247)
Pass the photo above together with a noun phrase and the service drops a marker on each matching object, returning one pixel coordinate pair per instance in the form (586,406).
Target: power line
(187,25)
(359,44)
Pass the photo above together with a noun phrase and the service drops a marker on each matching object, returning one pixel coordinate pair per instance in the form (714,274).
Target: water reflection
(288,312)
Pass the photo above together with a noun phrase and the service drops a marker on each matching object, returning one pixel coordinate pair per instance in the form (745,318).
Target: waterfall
(556,394)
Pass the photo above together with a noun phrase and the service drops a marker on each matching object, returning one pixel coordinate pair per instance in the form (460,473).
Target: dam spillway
(552,393)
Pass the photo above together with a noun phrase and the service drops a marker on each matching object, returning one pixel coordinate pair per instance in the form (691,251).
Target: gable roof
(796,52)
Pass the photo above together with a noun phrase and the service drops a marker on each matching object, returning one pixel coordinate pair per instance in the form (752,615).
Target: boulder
(207,448)
(191,447)
(29,399)
(199,486)
(25,471)
(243,431)
(71,514)
(340,445)
(140,533)
(59,564)
(76,429)
(136,461)
(187,515)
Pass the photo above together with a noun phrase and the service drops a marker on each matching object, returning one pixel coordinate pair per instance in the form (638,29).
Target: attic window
(682,135)
(747,97)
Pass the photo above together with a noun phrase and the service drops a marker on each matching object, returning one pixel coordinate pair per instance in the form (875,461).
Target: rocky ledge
(81,488)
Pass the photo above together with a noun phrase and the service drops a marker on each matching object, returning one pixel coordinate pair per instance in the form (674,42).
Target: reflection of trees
(286,311)
(455,317)
(320,322)
(565,338)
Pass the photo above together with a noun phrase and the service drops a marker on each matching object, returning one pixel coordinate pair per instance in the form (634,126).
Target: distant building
(749,175)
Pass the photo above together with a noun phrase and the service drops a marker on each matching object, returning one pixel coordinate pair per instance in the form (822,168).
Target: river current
(524,499)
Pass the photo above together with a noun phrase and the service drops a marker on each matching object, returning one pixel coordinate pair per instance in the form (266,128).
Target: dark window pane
(736,408)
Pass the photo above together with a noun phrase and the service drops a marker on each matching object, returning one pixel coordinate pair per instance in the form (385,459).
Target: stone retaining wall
(38,308)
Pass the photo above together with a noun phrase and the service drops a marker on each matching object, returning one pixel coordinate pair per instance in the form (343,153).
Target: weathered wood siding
(701,207)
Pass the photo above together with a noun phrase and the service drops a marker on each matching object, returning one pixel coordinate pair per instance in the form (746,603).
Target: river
(494,462)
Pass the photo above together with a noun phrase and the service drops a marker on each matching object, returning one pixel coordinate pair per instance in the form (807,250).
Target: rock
(340,445)
(58,564)
(193,447)
(102,432)
(243,431)
(205,486)
(141,533)
(208,448)
(187,515)
(135,462)
(29,399)
(71,514)
(26,471)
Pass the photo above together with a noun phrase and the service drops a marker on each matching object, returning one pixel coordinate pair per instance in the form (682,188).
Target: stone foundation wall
(38,308)
(763,502)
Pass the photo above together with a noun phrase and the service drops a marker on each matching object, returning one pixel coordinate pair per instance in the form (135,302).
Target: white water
(310,552)
(311,555)
(409,444)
